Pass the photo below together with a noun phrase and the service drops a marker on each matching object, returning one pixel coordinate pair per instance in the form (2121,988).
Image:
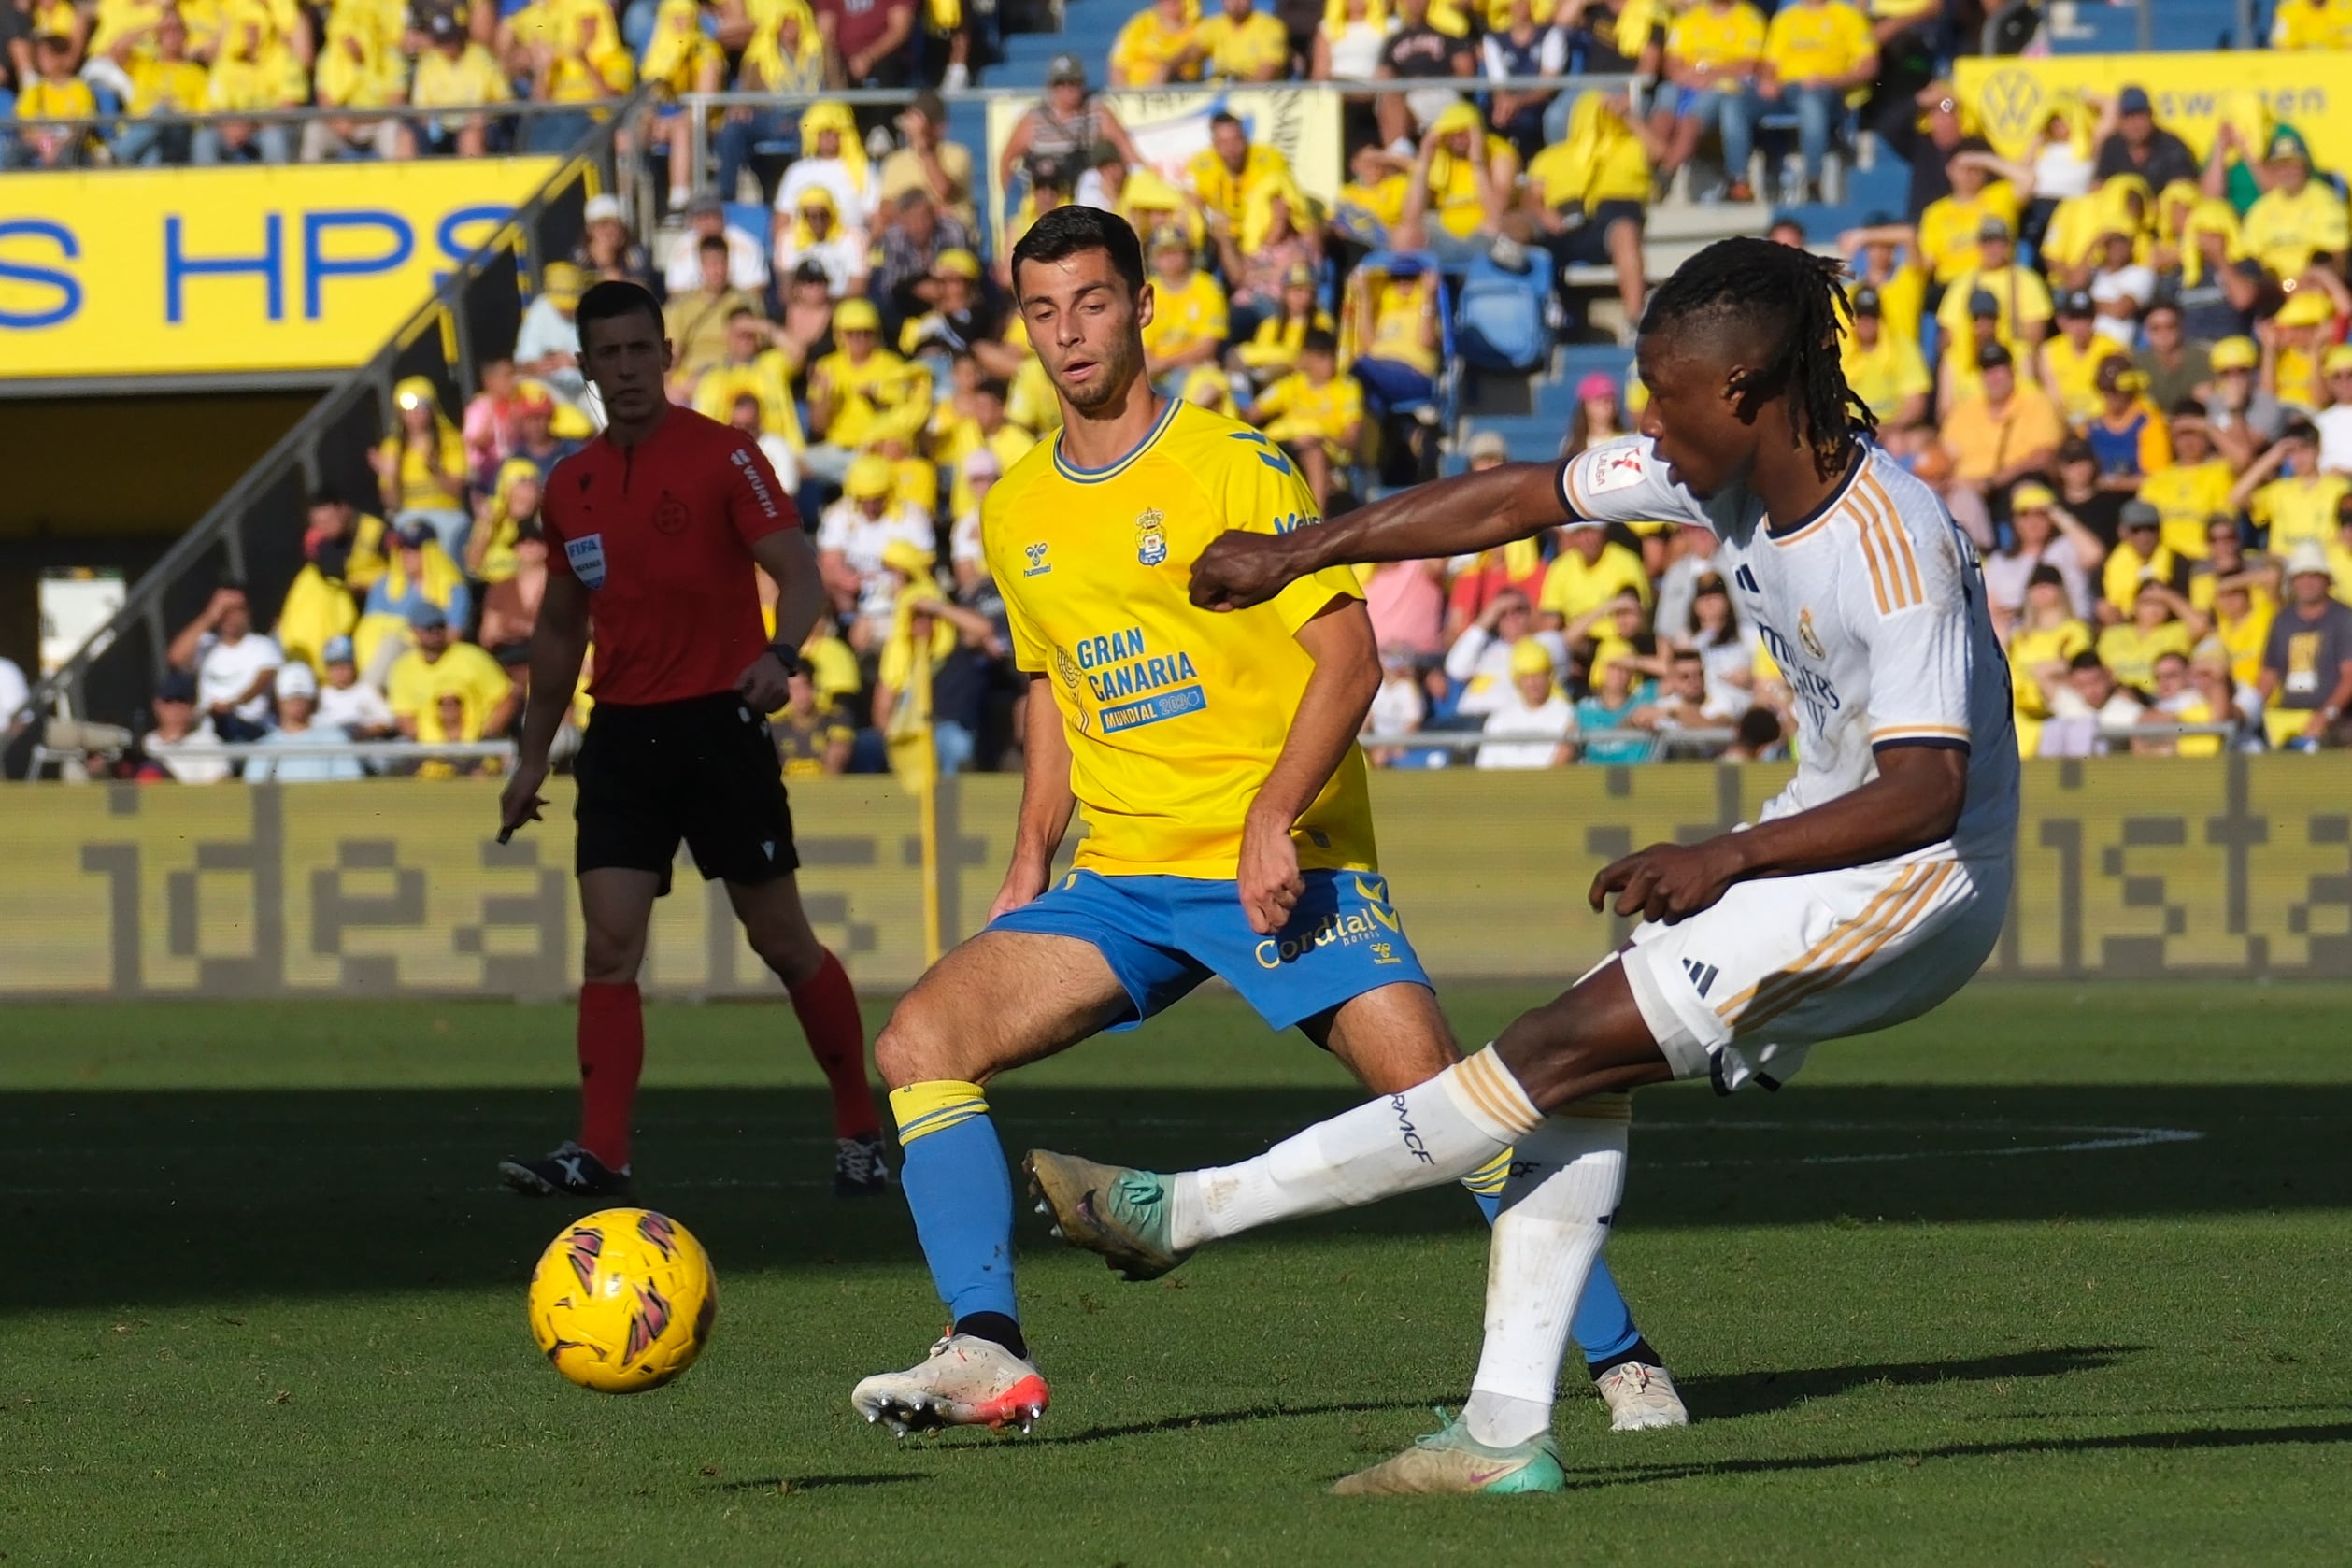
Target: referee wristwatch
(788,656)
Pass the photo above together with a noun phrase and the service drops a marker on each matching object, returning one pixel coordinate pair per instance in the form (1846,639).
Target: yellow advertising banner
(1169,125)
(2128,868)
(162,272)
(2194,93)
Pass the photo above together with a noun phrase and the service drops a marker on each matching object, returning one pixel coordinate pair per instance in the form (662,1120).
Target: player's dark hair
(1790,302)
(1318,341)
(1224,117)
(327,495)
(708,243)
(991,386)
(1760,727)
(1067,231)
(611,300)
(2085,660)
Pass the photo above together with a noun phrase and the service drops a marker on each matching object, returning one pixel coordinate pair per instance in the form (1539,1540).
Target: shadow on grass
(820,1483)
(1725,1395)
(167,1198)
(1231,1417)
(2193,1438)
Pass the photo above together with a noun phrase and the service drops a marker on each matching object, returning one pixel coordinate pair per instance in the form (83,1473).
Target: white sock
(1566,1178)
(1434,1132)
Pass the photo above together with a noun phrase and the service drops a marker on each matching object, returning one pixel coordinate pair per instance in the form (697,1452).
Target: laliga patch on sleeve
(586,555)
(1615,468)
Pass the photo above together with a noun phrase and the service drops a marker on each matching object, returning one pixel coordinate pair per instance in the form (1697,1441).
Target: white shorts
(1741,991)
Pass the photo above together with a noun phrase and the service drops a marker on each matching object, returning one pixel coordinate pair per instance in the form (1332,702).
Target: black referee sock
(996,1328)
(1639,1351)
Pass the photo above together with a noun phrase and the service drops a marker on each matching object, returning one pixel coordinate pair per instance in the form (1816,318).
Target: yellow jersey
(885,399)
(1299,411)
(2130,653)
(414,686)
(1571,586)
(1147,52)
(2284,232)
(767,378)
(2298,509)
(1185,315)
(70,99)
(1453,186)
(2185,496)
(2024,300)
(1174,716)
(2077,372)
(1730,36)
(1619,170)
(1816,43)
(1241,51)
(469,81)
(1885,375)
(166,86)
(1947,229)
(2120,578)
(2312,25)
(2030,651)
(1220,190)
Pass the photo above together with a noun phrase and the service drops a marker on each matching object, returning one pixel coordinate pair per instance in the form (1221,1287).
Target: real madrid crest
(1811,638)
(1151,538)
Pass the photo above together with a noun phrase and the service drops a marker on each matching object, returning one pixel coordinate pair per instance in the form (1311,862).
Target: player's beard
(1119,372)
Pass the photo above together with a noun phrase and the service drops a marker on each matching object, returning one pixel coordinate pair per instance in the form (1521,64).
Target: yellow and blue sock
(961,1192)
(1604,1327)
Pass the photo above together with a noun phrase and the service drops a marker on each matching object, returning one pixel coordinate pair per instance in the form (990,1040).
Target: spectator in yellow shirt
(2138,558)
(1188,313)
(1885,371)
(2067,361)
(2286,492)
(453,72)
(1589,195)
(438,665)
(1242,43)
(2009,431)
(861,397)
(1316,413)
(582,61)
(2193,488)
(2022,299)
(1226,174)
(2312,25)
(1464,187)
(1590,570)
(1156,46)
(1816,54)
(1714,56)
(2298,221)
(164,82)
(55,95)
(1952,226)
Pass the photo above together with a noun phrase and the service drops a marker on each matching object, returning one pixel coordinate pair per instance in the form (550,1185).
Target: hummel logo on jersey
(1039,564)
(1747,580)
(1701,973)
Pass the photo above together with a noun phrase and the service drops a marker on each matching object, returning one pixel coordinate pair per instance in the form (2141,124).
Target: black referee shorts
(703,770)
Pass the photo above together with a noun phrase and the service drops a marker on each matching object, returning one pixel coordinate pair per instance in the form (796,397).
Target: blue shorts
(1163,935)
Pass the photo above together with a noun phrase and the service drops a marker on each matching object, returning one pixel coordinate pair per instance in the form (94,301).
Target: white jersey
(1875,610)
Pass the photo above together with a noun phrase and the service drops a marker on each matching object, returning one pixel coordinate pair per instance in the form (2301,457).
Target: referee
(653,531)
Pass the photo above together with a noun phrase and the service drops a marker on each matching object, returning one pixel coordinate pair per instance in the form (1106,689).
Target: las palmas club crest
(1151,538)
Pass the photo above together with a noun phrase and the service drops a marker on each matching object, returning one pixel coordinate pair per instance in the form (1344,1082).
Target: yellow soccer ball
(622,1301)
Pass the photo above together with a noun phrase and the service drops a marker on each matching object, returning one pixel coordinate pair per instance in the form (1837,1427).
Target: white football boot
(1640,1397)
(967,1381)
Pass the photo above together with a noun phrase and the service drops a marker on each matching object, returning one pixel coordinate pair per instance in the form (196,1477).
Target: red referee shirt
(662,533)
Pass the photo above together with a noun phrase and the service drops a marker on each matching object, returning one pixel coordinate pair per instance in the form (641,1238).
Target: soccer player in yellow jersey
(1228,824)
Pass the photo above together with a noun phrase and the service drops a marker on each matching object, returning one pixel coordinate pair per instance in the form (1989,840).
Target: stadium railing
(254,533)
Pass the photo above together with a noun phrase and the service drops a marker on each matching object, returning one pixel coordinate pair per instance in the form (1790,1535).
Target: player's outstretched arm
(1915,802)
(1452,517)
(1047,800)
(558,644)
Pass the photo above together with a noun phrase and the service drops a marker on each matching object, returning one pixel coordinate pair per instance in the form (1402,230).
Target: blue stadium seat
(1499,316)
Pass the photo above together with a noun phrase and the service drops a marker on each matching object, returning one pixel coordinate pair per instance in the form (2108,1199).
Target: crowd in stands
(2120,363)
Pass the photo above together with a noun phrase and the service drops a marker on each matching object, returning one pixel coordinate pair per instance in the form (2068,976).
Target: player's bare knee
(919,1044)
(793,956)
(611,958)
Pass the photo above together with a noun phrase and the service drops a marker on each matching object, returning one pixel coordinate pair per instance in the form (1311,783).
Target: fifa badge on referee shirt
(1151,538)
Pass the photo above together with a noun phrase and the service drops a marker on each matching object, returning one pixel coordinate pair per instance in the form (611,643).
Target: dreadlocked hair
(1792,301)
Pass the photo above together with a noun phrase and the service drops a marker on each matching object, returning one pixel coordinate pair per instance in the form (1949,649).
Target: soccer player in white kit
(1870,889)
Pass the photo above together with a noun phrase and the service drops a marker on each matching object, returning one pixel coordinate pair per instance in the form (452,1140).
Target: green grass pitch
(2055,1275)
